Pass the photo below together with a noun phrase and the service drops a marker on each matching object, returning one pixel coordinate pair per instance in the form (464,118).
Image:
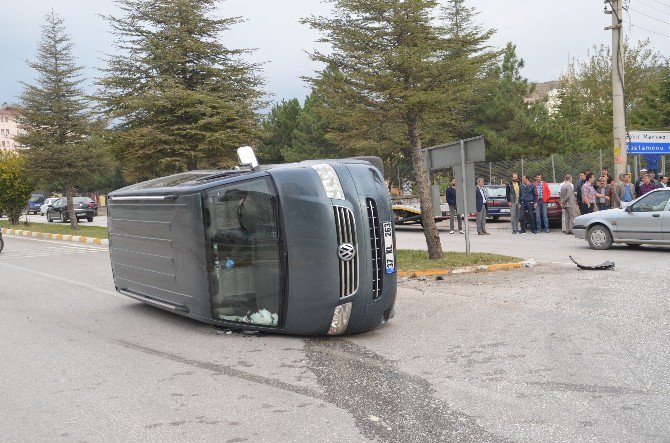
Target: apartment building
(8,127)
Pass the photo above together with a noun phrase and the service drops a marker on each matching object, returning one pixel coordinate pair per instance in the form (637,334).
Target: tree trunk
(74,223)
(422,180)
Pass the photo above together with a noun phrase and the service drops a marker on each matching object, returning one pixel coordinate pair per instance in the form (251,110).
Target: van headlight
(330,181)
(340,319)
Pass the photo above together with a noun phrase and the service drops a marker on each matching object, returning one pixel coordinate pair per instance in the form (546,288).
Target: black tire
(49,219)
(89,219)
(2,244)
(599,237)
(62,217)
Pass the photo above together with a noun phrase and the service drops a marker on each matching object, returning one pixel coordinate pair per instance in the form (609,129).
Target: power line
(648,30)
(649,16)
(632,25)
(653,7)
(661,3)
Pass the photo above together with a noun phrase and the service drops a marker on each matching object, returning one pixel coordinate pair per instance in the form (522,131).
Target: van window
(244,245)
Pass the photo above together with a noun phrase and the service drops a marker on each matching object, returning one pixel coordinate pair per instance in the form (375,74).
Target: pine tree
(55,120)
(510,126)
(309,136)
(182,100)
(388,71)
(470,56)
(278,130)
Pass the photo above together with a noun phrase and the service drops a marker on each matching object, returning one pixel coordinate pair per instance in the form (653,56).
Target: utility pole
(618,103)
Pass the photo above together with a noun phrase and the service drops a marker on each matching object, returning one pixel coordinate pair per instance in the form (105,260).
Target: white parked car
(47,202)
(645,221)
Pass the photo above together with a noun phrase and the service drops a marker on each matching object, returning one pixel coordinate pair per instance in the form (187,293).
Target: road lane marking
(66,280)
(51,249)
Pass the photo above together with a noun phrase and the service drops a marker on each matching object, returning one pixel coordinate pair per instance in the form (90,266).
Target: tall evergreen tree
(278,130)
(55,120)
(470,56)
(181,98)
(309,137)
(510,126)
(387,73)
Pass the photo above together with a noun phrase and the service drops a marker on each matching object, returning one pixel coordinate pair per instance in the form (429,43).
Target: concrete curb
(61,237)
(464,270)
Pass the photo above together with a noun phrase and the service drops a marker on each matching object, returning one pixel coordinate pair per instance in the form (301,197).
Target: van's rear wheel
(599,237)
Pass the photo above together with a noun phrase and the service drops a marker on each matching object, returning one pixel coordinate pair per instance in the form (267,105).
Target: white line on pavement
(66,280)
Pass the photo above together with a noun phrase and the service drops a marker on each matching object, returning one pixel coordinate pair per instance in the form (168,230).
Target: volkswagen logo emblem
(346,252)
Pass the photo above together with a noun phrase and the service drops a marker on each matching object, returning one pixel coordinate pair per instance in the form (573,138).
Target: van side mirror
(246,157)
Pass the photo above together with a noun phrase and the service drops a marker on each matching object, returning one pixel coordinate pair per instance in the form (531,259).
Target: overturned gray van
(304,248)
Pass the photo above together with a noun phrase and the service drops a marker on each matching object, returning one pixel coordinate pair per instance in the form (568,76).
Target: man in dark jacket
(453,212)
(580,182)
(480,198)
(512,193)
(527,199)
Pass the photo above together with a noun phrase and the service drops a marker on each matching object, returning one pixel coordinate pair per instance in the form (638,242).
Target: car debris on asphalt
(604,266)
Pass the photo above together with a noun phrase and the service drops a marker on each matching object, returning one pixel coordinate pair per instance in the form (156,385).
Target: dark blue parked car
(36,200)
(496,202)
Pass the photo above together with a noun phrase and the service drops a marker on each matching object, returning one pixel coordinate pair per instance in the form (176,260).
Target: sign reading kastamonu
(649,142)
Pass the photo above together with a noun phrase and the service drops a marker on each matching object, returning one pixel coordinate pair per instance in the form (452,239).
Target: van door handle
(656,215)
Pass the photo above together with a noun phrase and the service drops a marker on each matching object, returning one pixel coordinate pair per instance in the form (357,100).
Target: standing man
(605,190)
(625,191)
(526,203)
(589,194)
(643,172)
(664,181)
(513,201)
(481,207)
(453,212)
(543,194)
(569,204)
(606,174)
(580,183)
(647,185)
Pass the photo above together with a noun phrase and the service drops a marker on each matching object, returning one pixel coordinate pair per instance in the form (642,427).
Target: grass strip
(413,260)
(57,228)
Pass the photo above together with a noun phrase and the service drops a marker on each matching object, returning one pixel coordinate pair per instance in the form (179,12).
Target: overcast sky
(546,32)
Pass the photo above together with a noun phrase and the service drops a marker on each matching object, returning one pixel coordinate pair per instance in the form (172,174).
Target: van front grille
(377,248)
(346,234)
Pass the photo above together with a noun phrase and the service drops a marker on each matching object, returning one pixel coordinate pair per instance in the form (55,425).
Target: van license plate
(388,247)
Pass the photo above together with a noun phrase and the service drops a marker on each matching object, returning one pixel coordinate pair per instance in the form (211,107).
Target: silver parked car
(45,205)
(645,221)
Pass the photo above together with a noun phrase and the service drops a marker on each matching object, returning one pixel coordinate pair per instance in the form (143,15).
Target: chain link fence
(553,169)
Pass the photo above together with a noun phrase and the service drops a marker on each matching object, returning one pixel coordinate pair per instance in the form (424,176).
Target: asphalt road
(546,353)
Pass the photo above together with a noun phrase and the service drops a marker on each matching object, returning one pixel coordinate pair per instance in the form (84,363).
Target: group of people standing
(528,200)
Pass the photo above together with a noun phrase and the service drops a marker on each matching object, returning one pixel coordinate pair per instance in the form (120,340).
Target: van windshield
(243,241)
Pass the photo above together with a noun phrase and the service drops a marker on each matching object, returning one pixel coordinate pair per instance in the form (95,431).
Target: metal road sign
(649,142)
(461,155)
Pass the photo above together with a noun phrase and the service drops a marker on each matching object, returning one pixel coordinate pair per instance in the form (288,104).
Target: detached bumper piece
(605,266)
